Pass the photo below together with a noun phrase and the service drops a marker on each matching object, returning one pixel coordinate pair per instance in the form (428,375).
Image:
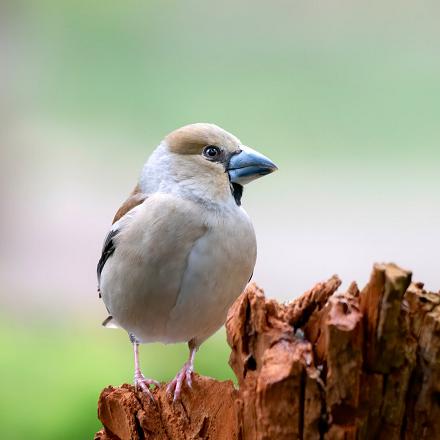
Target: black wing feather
(107,251)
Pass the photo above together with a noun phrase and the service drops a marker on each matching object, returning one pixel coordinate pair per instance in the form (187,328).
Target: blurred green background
(343,96)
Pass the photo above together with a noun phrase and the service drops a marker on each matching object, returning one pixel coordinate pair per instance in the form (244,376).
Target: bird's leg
(140,381)
(185,374)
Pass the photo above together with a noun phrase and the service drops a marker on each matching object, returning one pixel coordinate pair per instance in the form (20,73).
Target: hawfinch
(181,248)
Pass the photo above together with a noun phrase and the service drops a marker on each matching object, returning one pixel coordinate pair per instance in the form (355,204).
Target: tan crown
(191,139)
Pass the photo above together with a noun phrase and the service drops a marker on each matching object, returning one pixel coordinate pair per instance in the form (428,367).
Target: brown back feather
(136,198)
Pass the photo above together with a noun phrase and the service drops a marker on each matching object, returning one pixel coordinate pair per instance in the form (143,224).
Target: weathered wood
(329,365)
(207,412)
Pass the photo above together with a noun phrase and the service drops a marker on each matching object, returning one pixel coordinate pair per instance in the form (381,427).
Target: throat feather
(237,192)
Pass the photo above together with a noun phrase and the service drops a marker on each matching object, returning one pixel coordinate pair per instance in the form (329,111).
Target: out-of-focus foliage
(52,374)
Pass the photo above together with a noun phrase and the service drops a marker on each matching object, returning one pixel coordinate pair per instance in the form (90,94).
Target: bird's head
(204,157)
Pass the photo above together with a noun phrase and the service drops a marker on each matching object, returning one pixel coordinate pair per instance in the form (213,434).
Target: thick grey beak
(249,165)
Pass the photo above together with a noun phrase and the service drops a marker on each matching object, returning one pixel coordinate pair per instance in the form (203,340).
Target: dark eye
(211,152)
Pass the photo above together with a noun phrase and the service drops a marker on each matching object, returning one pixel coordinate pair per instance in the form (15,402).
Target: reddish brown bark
(328,365)
(127,414)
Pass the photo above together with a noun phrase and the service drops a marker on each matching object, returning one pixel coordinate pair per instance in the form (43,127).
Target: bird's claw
(140,381)
(184,375)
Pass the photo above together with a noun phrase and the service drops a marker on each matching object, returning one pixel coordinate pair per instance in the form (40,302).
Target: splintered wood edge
(348,323)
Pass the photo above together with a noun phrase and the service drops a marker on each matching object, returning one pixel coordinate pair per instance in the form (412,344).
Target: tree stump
(329,365)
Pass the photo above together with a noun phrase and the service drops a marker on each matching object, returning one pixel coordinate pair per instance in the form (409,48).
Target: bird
(181,248)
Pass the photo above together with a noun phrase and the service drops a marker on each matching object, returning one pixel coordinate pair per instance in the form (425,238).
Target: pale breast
(141,281)
(219,267)
(177,268)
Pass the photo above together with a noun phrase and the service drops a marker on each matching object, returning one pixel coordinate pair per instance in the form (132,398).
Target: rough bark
(329,365)
(127,414)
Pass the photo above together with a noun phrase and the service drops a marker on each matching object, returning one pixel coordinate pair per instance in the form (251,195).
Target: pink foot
(140,381)
(184,375)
